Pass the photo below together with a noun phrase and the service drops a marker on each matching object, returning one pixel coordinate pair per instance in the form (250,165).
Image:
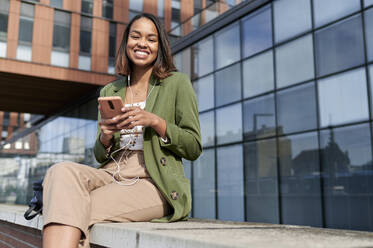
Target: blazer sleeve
(101,154)
(184,136)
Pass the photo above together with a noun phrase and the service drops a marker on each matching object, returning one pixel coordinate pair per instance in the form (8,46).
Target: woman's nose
(142,43)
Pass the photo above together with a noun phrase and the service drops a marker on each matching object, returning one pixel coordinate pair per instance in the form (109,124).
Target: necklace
(129,86)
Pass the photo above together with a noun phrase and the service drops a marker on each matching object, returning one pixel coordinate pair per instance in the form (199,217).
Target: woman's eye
(135,37)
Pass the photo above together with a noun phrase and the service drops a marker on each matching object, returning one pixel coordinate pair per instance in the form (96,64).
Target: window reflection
(230,183)
(207,128)
(204,88)
(291,18)
(368,3)
(228,85)
(371,83)
(300,180)
(343,98)
(346,158)
(227,50)
(204,185)
(259,117)
(258,74)
(369,32)
(261,181)
(294,62)
(229,124)
(339,46)
(203,57)
(296,109)
(257,32)
(326,11)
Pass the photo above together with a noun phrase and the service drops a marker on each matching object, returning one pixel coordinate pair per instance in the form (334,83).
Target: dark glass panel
(228,85)
(300,180)
(257,31)
(346,158)
(259,117)
(339,46)
(296,109)
(261,181)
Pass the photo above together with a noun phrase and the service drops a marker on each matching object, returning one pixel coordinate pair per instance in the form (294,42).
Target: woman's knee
(60,169)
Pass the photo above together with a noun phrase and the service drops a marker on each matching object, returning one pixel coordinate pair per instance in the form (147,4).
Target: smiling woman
(140,149)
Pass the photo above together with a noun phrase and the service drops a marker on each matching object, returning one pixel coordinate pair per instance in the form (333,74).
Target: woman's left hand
(135,116)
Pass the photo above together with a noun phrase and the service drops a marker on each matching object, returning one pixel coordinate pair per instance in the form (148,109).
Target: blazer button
(174,195)
(163,161)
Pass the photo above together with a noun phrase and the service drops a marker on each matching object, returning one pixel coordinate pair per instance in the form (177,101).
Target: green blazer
(172,99)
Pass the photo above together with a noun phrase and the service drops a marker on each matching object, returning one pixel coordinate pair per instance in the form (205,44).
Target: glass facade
(285,95)
(285,101)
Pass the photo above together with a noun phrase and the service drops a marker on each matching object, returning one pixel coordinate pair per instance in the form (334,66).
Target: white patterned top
(133,138)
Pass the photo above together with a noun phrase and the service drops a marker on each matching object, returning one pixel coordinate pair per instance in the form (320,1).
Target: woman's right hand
(108,128)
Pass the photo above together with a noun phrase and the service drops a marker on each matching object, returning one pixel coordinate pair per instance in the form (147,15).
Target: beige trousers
(80,196)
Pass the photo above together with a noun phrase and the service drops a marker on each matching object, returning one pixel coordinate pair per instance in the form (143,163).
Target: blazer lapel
(150,102)
(119,88)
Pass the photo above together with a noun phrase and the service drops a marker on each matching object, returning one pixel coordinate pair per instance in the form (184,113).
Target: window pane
(25,29)
(160,8)
(84,63)
(4,6)
(136,5)
(343,98)
(346,158)
(300,180)
(112,40)
(259,117)
(229,124)
(296,109)
(230,183)
(56,3)
(204,89)
(85,41)
(258,74)
(204,185)
(204,57)
(368,3)
(227,48)
(27,10)
(339,46)
(3,26)
(371,83)
(87,6)
(369,33)
(61,37)
(257,32)
(107,8)
(207,128)
(228,85)
(261,181)
(330,10)
(60,58)
(2,49)
(294,62)
(291,18)
(24,53)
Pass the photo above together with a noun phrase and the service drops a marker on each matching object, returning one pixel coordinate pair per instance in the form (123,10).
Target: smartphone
(110,106)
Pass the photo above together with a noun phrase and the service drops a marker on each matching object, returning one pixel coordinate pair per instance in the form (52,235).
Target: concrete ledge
(207,234)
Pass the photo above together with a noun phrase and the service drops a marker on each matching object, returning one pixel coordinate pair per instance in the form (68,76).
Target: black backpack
(36,203)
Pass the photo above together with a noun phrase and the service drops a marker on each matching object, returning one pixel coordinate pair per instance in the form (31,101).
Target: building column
(42,36)
(100,45)
(72,5)
(97,8)
(151,7)
(13,27)
(121,11)
(167,15)
(186,11)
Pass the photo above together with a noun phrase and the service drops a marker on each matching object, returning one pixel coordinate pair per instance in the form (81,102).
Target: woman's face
(142,44)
